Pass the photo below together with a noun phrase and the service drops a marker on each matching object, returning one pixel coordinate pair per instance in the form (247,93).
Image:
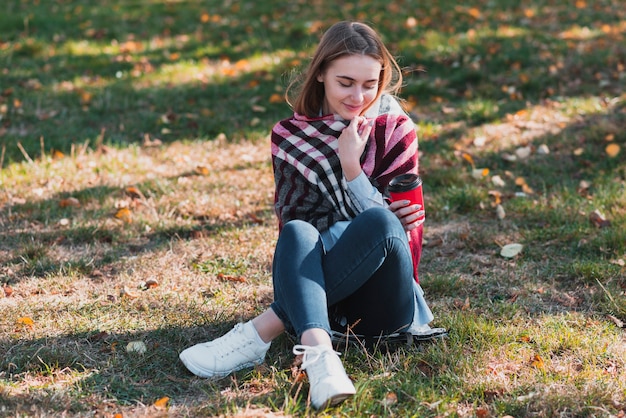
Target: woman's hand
(352,142)
(409,214)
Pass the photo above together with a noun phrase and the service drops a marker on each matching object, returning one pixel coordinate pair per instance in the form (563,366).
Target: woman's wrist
(351,171)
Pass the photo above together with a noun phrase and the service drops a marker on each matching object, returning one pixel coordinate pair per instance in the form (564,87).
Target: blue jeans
(366,277)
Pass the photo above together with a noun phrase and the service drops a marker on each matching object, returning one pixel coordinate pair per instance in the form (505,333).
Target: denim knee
(383,220)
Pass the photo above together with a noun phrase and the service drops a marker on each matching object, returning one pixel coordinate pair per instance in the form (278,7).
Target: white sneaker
(328,381)
(241,347)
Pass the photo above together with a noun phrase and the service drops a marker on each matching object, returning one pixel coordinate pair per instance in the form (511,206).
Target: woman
(346,260)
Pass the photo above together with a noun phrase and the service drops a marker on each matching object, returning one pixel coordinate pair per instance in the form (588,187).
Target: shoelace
(311,353)
(230,343)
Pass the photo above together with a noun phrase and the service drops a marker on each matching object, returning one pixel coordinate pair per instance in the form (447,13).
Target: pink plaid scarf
(309,181)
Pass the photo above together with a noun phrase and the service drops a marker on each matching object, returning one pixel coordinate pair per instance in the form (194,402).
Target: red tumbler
(407,187)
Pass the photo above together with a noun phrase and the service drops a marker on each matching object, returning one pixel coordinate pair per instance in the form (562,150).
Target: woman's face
(350,85)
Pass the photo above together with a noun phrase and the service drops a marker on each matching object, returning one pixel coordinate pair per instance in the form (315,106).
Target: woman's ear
(320,78)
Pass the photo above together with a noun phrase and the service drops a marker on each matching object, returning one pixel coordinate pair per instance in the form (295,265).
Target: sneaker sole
(215,375)
(335,400)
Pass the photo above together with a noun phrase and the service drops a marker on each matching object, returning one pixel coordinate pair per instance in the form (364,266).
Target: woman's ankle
(315,336)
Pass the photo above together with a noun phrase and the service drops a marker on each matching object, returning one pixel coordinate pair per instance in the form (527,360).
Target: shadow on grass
(99,362)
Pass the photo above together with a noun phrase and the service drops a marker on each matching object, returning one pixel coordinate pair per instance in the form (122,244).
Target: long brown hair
(341,39)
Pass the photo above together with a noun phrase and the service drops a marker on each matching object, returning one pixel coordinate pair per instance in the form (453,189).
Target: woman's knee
(382,219)
(298,229)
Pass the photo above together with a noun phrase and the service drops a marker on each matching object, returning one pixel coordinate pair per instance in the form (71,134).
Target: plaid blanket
(309,181)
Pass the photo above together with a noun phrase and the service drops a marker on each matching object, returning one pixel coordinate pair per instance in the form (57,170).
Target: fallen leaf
(134,192)
(497,196)
(149,142)
(230,278)
(509,157)
(138,347)
(467,157)
(162,403)
(497,181)
(543,149)
(511,250)
(276,98)
(127,293)
(479,173)
(25,322)
(523,152)
(537,362)
(390,399)
(151,283)
(527,189)
(8,291)
(598,219)
(612,150)
(124,214)
(69,202)
(482,412)
(500,213)
(202,170)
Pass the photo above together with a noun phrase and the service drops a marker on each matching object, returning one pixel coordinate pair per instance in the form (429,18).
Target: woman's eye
(344,85)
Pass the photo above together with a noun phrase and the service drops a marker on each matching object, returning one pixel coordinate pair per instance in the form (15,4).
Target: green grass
(164,108)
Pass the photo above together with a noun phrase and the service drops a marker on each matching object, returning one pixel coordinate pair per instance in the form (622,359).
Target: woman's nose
(357,94)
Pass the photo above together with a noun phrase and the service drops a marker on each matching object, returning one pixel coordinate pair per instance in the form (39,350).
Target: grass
(136,204)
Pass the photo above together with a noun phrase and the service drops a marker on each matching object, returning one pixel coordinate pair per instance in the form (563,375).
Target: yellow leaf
(162,403)
(520,181)
(202,170)
(124,214)
(467,157)
(612,150)
(537,362)
(497,196)
(204,18)
(85,97)
(527,189)
(134,192)
(276,98)
(474,12)
(25,322)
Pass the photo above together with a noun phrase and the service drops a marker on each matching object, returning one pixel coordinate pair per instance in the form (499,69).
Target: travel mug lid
(404,182)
